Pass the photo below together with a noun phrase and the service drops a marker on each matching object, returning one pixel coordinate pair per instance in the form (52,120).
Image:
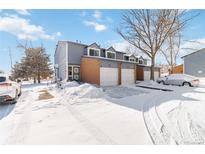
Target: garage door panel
(128,76)
(156,75)
(147,75)
(108,76)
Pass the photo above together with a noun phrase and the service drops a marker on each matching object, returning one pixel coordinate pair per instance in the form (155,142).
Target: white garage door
(146,75)
(108,76)
(127,76)
(156,75)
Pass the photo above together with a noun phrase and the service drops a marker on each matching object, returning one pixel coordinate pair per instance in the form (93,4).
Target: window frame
(133,59)
(110,52)
(141,61)
(95,49)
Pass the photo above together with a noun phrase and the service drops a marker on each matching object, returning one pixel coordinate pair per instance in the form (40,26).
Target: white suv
(9,90)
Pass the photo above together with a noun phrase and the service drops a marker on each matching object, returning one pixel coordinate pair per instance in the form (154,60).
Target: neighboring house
(194,63)
(96,65)
(178,69)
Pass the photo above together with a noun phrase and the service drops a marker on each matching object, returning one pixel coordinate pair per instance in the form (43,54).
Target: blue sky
(87,26)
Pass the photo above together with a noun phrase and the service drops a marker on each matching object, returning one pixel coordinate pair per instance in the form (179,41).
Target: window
(2,79)
(140,61)
(126,58)
(132,59)
(93,52)
(111,55)
(76,70)
(70,71)
(137,60)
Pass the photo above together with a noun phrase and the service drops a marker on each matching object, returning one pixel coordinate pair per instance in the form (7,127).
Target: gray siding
(194,64)
(60,59)
(75,52)
(119,55)
(109,64)
(128,66)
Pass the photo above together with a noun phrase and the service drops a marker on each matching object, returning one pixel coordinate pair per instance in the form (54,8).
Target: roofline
(78,43)
(193,53)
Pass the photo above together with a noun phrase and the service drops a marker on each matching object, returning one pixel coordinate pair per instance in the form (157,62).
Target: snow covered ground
(85,114)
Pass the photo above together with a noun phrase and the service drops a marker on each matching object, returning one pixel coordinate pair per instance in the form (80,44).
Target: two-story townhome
(96,65)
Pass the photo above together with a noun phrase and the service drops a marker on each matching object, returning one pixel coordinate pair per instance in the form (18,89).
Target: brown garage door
(140,73)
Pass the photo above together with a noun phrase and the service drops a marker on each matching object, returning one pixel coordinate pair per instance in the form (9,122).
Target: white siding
(108,76)
(61,60)
(127,76)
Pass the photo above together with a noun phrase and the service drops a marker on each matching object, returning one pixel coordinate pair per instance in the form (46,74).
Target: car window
(2,79)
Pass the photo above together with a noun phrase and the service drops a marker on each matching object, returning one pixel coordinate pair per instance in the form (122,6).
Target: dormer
(132,58)
(93,50)
(129,57)
(141,60)
(111,53)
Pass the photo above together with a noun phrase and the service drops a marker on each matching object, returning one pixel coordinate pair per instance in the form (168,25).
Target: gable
(111,49)
(94,45)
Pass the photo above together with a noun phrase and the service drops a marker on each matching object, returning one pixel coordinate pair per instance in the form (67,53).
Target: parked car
(179,79)
(9,90)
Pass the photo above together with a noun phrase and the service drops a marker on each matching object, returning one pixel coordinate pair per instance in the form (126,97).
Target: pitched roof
(111,49)
(94,45)
(193,52)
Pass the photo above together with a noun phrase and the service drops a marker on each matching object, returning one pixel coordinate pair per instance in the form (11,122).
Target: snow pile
(70,84)
(84,91)
(202,82)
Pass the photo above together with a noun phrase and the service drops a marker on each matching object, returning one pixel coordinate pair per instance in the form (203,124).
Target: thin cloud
(97,14)
(23,12)
(97,26)
(23,29)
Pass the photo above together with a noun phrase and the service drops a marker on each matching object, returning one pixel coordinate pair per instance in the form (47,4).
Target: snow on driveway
(85,114)
(78,114)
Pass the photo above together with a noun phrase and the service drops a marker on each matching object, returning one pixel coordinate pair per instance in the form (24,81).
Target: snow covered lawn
(85,114)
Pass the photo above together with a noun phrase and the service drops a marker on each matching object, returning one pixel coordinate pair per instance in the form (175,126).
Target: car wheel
(162,83)
(19,94)
(186,84)
(15,99)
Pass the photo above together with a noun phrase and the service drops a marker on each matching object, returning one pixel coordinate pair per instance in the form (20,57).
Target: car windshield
(2,79)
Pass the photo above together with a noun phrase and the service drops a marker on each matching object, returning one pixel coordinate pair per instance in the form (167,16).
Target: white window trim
(141,60)
(110,52)
(88,51)
(132,58)
(124,57)
(72,66)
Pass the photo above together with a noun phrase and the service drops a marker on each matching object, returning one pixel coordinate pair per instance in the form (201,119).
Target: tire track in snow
(91,128)
(19,133)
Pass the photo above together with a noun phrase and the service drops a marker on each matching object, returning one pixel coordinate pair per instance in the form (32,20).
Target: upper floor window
(94,52)
(140,61)
(126,58)
(137,60)
(132,59)
(111,55)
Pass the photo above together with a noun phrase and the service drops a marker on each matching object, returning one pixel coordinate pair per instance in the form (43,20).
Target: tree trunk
(39,78)
(34,80)
(152,68)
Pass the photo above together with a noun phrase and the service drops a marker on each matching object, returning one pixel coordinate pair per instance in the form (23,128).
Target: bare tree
(171,49)
(147,30)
